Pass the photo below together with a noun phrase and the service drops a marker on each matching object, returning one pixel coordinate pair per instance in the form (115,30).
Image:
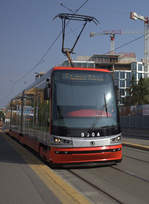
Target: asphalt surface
(18,182)
(26,181)
(125,183)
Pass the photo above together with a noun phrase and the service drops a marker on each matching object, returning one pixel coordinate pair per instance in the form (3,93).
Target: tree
(138,94)
(2,116)
(146,93)
(131,92)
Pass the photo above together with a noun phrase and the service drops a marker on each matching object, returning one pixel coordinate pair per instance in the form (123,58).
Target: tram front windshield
(83,99)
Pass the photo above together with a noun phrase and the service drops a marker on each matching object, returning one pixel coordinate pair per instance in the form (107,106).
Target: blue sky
(28,31)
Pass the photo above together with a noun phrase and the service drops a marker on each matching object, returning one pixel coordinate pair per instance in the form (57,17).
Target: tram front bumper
(86,154)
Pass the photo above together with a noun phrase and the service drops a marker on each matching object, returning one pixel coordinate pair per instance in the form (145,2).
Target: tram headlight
(58,140)
(115,139)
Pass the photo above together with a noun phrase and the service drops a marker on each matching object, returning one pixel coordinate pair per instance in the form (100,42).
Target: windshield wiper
(106,108)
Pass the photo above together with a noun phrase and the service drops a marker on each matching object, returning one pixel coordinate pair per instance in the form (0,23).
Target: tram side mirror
(47,91)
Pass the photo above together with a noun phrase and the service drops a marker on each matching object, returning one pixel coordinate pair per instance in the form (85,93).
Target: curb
(137,146)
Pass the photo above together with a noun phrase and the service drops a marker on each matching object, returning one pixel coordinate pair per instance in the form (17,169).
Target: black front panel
(83,132)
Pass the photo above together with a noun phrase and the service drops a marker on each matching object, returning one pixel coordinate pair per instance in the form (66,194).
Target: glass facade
(122,75)
(140,67)
(122,79)
(122,83)
(134,66)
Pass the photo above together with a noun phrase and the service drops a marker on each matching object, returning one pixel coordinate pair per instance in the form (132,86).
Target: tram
(69,115)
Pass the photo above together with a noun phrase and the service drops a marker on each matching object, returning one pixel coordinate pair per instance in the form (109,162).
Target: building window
(128,75)
(122,92)
(116,75)
(122,100)
(134,76)
(128,82)
(139,67)
(122,83)
(116,82)
(134,67)
(122,75)
(139,76)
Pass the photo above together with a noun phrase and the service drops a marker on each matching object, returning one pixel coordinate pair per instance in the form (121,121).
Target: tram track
(102,190)
(140,160)
(131,174)
(95,187)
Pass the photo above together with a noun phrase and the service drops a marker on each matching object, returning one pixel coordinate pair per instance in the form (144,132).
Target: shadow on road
(8,154)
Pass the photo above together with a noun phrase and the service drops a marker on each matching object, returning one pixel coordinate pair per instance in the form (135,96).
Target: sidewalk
(137,138)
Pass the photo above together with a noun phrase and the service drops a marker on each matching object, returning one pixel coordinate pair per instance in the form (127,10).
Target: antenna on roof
(67,17)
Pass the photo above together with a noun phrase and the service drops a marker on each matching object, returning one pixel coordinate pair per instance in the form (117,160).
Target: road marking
(62,190)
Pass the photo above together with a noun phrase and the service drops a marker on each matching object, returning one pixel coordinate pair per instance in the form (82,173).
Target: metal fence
(135,121)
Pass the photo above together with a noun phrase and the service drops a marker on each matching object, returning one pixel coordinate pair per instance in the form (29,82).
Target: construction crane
(145,19)
(112,34)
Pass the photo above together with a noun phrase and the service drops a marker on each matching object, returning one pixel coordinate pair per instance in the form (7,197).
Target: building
(138,70)
(80,63)
(121,61)
(123,78)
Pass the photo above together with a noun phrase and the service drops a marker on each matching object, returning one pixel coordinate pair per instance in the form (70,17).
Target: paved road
(26,179)
(18,183)
(127,182)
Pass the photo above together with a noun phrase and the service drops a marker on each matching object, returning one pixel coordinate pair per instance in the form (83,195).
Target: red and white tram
(69,115)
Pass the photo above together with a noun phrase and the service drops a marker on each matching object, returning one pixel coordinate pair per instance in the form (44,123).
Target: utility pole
(135,16)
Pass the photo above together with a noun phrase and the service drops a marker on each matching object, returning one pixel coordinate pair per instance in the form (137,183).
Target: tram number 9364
(92,134)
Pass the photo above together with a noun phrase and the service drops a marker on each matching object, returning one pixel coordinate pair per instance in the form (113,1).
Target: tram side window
(35,112)
(28,112)
(43,111)
(15,116)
